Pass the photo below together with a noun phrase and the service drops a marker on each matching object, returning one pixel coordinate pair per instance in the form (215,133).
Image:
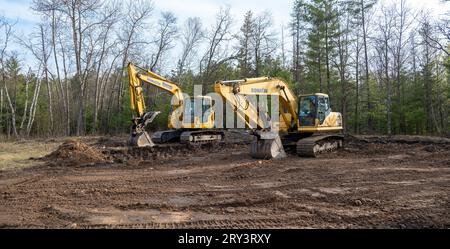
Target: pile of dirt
(74,152)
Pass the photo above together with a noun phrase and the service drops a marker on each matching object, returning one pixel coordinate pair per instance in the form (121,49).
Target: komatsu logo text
(167,86)
(259,90)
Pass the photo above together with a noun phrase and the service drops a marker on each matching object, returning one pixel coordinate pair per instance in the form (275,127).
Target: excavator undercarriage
(271,145)
(318,144)
(187,136)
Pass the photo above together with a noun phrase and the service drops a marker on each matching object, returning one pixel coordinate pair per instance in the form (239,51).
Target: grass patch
(15,155)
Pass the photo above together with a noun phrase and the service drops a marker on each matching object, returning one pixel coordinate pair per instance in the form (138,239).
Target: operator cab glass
(324,108)
(313,107)
(191,112)
(206,109)
(307,110)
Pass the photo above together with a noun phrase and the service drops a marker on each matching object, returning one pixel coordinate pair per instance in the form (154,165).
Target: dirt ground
(400,182)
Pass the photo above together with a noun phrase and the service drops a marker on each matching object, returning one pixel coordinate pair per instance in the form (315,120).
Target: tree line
(385,65)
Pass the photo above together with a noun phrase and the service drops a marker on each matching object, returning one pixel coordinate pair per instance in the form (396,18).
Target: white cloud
(18,10)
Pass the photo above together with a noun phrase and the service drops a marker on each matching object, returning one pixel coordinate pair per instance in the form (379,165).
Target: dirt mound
(76,153)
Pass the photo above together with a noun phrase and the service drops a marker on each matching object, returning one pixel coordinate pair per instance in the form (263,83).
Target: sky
(19,10)
(205,9)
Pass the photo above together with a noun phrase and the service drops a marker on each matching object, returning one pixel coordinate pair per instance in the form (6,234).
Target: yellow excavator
(186,123)
(305,123)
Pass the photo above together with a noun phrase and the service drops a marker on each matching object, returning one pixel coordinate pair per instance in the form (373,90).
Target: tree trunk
(356,129)
(33,106)
(49,89)
(388,87)
(1,109)
(76,33)
(12,110)
(61,88)
(320,73)
(327,62)
(366,60)
(66,89)
(24,115)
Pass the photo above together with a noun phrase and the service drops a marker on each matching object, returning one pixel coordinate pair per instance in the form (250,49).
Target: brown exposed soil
(74,152)
(373,182)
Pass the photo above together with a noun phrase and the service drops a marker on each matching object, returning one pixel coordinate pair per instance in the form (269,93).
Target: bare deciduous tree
(191,37)
(167,32)
(383,46)
(401,25)
(134,22)
(245,53)
(6,30)
(217,52)
(263,39)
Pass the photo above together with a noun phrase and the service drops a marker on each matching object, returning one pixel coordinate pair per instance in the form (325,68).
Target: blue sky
(19,10)
(205,9)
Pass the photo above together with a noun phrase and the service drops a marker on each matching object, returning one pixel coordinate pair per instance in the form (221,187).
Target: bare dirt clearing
(372,182)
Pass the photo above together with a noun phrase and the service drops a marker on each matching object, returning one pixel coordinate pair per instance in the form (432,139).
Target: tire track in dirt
(215,224)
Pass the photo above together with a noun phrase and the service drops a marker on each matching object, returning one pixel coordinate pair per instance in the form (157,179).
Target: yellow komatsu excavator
(186,123)
(306,123)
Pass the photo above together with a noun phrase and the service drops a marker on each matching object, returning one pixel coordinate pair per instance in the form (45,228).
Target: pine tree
(245,51)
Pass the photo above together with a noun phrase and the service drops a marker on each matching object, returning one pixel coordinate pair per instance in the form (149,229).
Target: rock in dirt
(74,152)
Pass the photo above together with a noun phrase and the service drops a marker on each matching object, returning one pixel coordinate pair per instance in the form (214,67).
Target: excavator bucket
(267,146)
(141,139)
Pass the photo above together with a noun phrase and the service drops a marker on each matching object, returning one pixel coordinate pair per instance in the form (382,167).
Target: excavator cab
(201,117)
(315,114)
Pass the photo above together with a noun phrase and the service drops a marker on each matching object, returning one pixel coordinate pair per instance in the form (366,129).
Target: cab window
(206,109)
(307,110)
(189,111)
(323,109)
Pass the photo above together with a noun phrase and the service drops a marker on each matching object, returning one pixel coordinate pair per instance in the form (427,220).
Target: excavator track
(161,137)
(315,145)
(201,136)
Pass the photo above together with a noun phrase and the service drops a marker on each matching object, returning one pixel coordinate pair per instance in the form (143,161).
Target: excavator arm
(267,143)
(136,93)
(136,78)
(236,93)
